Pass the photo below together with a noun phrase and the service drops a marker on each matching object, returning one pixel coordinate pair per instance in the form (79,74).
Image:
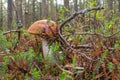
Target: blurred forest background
(28,11)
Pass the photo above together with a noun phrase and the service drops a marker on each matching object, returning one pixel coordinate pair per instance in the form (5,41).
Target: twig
(88,33)
(113,34)
(10,31)
(82,46)
(64,69)
(84,55)
(77,13)
(72,17)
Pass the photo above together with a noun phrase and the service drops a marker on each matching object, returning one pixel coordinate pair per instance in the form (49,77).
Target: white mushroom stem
(45,47)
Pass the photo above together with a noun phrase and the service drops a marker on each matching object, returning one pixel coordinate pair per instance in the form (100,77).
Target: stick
(72,17)
(10,31)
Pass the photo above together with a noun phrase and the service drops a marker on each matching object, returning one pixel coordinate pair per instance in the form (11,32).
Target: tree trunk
(98,2)
(75,5)
(52,11)
(40,9)
(33,9)
(66,4)
(10,14)
(44,9)
(119,6)
(26,14)
(110,4)
(19,14)
(80,5)
(56,5)
(1,16)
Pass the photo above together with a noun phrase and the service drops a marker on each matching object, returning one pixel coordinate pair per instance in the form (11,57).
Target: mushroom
(46,30)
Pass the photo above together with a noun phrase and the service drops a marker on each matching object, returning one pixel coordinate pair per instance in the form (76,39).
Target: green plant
(29,55)
(47,67)
(64,76)
(118,67)
(104,55)
(102,59)
(74,61)
(61,16)
(93,75)
(116,45)
(36,74)
(111,66)
(54,70)
(3,67)
(55,47)
(3,43)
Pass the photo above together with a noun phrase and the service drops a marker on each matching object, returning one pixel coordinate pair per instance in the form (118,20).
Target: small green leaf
(62,77)
(48,20)
(104,55)
(118,67)
(110,66)
(116,44)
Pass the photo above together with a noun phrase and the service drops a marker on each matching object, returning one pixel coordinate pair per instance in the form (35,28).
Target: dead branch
(113,34)
(62,39)
(67,71)
(82,46)
(10,31)
(97,34)
(72,17)
(88,33)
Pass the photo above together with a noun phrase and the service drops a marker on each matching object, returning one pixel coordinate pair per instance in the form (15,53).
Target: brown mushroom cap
(43,27)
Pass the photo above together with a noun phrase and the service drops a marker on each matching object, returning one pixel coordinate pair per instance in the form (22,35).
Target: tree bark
(26,14)
(52,11)
(119,5)
(10,14)
(98,2)
(33,9)
(1,16)
(110,4)
(80,5)
(66,4)
(44,9)
(56,5)
(75,5)
(40,9)
(19,14)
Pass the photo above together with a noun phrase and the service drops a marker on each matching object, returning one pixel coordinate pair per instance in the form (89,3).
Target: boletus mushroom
(46,29)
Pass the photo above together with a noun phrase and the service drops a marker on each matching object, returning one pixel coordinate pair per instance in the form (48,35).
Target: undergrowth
(99,62)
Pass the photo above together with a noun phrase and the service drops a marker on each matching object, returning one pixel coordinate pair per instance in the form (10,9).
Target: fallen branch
(82,46)
(67,71)
(97,34)
(10,31)
(88,33)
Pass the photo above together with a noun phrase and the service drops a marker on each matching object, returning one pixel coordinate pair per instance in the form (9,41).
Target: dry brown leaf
(114,60)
